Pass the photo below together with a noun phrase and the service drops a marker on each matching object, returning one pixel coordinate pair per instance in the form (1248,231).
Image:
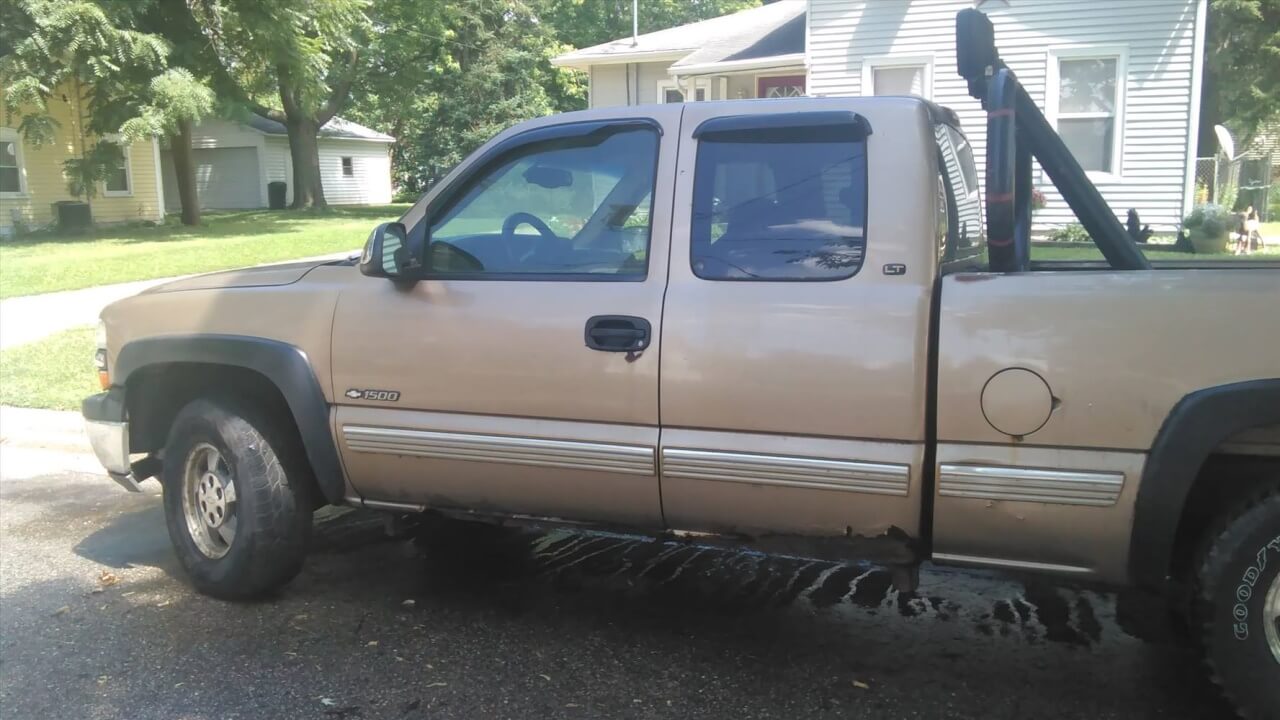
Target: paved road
(96,622)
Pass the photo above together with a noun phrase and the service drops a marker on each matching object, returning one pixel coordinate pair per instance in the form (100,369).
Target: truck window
(965,241)
(779,205)
(556,208)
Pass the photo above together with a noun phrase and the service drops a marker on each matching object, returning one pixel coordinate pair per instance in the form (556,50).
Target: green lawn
(1043,253)
(55,373)
(41,264)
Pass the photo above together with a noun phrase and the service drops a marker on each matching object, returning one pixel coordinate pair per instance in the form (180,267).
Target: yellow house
(31,177)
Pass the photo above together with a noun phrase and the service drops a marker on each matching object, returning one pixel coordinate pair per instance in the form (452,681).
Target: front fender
(285,366)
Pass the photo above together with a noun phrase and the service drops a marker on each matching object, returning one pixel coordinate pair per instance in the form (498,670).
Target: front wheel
(1238,607)
(236,500)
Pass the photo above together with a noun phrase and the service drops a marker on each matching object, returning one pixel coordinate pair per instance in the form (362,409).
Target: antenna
(635,22)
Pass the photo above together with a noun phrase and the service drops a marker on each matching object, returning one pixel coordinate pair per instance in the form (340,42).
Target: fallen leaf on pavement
(106,578)
(372,643)
(409,603)
(327,702)
(545,677)
(861,685)
(62,610)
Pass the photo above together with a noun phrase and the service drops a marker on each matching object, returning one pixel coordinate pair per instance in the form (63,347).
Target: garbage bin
(275,194)
(73,216)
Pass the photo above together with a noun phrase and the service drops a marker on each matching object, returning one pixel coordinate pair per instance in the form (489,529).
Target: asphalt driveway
(464,622)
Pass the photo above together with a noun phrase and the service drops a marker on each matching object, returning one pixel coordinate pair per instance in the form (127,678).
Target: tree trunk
(184,171)
(304,149)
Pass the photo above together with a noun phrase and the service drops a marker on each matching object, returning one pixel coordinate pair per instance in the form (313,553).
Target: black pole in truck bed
(978,62)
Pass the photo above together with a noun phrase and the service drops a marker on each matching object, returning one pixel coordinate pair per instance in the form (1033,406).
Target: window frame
(347,165)
(114,139)
(666,84)
(12,135)
(781,123)
(500,152)
(1053,92)
(892,62)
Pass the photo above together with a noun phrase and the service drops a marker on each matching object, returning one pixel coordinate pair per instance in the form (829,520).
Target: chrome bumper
(110,441)
(108,431)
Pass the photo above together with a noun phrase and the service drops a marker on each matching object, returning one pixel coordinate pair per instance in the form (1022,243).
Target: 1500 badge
(376,395)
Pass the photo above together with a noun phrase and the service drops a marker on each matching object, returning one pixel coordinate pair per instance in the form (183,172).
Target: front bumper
(108,431)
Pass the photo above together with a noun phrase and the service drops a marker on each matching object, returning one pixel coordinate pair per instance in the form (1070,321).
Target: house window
(119,180)
(671,92)
(780,86)
(898,76)
(1086,101)
(11,180)
(348,169)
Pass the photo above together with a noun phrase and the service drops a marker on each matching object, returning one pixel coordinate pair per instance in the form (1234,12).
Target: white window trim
(888,62)
(1120,53)
(128,168)
(7,135)
(666,84)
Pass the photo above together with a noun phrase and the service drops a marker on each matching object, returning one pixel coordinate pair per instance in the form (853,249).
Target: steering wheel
(514,221)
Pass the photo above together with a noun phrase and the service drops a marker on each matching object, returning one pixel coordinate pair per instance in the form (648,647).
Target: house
(754,53)
(235,161)
(1119,79)
(31,178)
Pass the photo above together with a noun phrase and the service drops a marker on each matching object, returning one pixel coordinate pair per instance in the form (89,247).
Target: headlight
(100,355)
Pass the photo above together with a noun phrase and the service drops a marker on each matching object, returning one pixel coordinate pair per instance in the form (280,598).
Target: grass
(55,373)
(49,263)
(1043,253)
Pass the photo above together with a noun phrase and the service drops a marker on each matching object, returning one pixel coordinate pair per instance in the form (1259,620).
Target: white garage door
(226,179)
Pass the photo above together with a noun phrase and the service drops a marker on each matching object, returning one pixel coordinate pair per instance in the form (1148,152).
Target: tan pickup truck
(793,324)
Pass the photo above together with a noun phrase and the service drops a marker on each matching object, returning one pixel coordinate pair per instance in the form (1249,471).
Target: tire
(262,516)
(1238,592)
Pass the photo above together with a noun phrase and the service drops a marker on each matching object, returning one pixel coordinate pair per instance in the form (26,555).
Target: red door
(780,86)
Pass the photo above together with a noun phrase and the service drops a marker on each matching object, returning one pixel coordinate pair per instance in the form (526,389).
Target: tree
(119,73)
(307,53)
(1241,84)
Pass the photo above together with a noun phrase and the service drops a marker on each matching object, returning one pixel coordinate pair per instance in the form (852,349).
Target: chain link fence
(1236,184)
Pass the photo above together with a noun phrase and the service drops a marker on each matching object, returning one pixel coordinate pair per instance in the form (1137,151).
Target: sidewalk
(31,317)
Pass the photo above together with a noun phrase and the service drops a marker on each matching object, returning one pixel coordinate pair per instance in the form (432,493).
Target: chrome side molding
(541,452)
(1061,487)
(974,561)
(787,471)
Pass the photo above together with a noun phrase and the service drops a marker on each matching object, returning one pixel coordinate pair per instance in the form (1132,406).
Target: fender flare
(284,365)
(1196,425)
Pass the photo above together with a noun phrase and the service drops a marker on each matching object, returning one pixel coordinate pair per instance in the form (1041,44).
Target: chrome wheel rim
(1271,617)
(209,501)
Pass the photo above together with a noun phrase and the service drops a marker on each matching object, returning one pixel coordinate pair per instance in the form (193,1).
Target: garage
(226,179)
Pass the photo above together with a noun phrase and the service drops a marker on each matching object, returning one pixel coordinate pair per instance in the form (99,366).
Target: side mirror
(387,253)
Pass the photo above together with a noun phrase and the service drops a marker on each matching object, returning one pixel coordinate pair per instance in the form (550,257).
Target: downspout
(1193,109)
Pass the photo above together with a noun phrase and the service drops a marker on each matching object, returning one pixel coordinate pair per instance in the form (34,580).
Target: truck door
(795,324)
(524,379)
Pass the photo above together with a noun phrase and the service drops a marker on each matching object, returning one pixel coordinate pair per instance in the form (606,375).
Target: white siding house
(1120,80)
(235,161)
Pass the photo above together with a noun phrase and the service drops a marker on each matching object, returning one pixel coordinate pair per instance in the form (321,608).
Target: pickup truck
(793,324)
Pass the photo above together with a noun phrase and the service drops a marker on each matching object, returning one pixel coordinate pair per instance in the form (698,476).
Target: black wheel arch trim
(285,366)
(1197,424)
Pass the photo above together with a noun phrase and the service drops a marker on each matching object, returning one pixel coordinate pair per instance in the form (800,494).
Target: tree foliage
(1242,69)
(582,23)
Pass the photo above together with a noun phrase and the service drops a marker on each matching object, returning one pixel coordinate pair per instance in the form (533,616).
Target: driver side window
(570,207)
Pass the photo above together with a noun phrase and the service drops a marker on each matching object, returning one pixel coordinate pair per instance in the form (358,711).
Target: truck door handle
(618,333)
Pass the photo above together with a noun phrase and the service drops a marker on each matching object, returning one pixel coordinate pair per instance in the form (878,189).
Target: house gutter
(772,62)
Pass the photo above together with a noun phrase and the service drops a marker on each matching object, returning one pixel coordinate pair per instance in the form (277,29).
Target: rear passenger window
(780,204)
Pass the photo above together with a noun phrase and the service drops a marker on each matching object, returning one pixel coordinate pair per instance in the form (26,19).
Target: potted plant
(1207,227)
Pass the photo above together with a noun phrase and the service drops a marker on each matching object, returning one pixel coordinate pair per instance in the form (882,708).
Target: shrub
(1210,219)
(1074,232)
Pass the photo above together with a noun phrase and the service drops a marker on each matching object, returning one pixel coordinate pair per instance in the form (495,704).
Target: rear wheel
(237,500)
(1238,606)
